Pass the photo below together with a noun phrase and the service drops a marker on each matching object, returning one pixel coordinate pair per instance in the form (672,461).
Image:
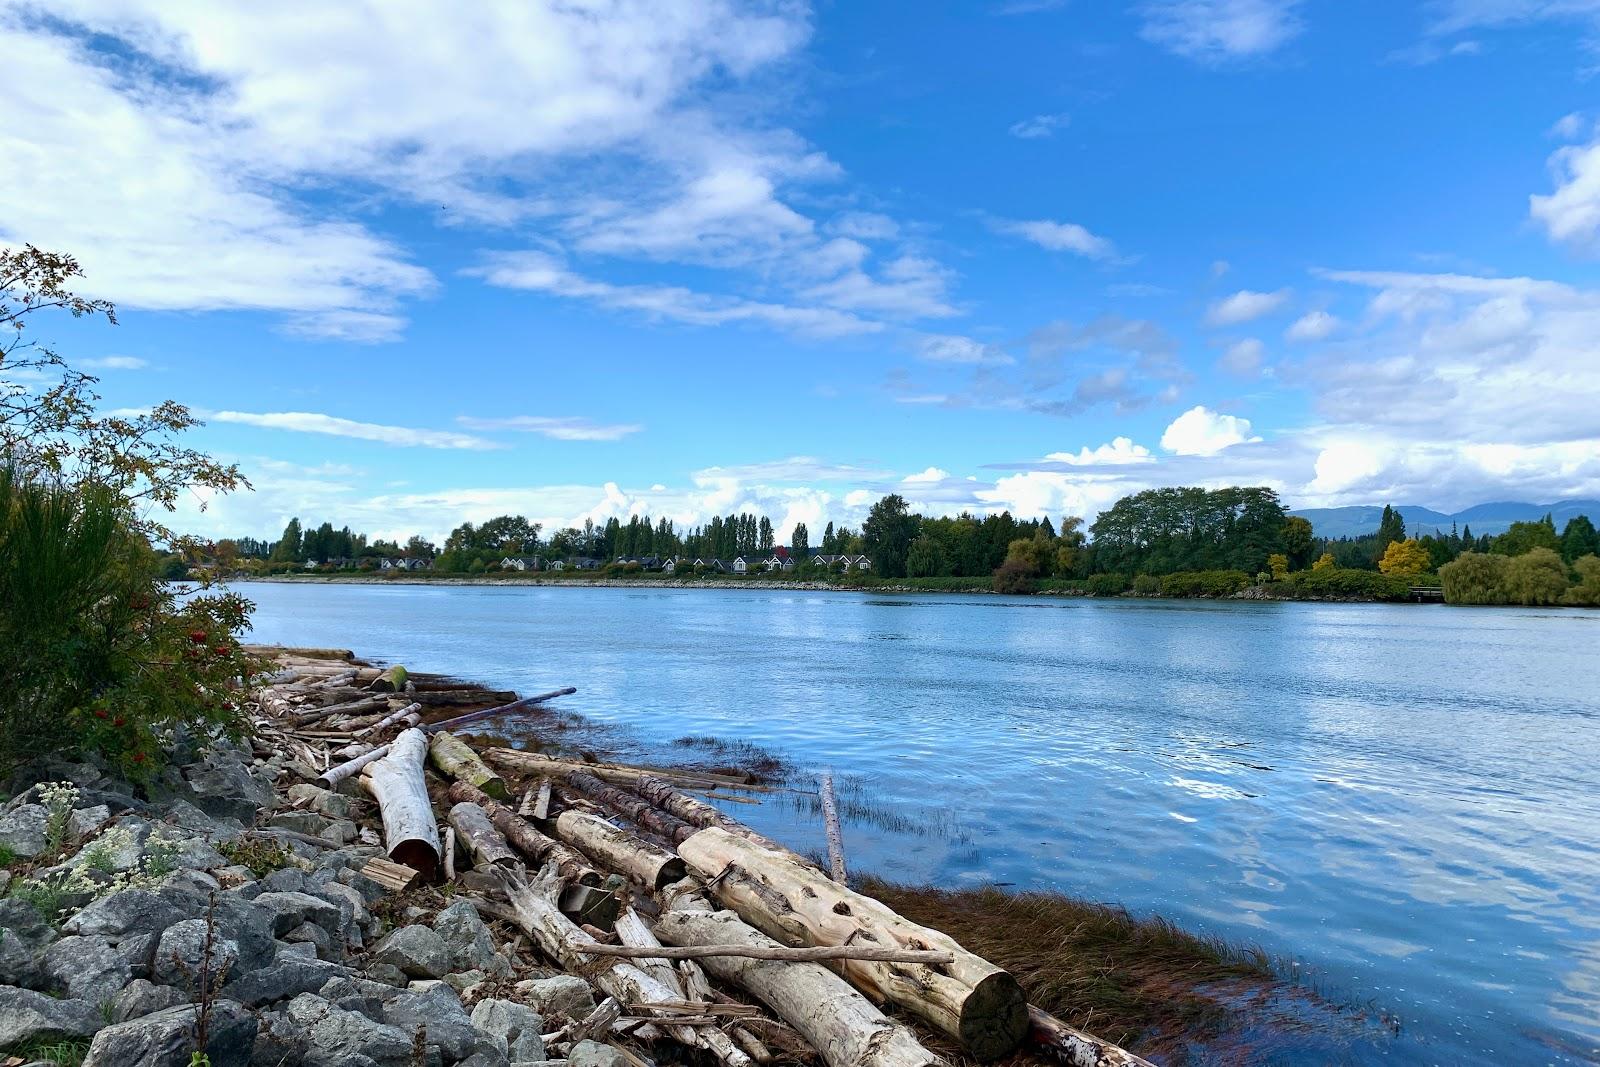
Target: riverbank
(237,865)
(858,584)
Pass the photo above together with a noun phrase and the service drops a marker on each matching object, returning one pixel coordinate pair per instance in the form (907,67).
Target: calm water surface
(1405,801)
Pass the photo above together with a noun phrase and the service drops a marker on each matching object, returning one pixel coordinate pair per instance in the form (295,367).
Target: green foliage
(1524,537)
(1163,531)
(59,1053)
(1343,582)
(925,558)
(1016,576)
(1112,584)
(1391,528)
(1297,541)
(888,532)
(260,855)
(1147,585)
(8,856)
(1579,539)
(1536,577)
(1586,593)
(1204,583)
(1475,578)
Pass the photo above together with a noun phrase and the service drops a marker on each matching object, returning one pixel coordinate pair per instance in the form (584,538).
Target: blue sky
(583,260)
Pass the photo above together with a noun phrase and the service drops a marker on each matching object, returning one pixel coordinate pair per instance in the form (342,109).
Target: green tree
(800,543)
(1523,537)
(1586,592)
(925,558)
(1475,578)
(287,550)
(1070,556)
(1391,528)
(1297,541)
(1404,559)
(1536,577)
(1579,539)
(887,535)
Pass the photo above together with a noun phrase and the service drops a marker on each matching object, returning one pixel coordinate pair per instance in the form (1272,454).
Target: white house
(520,563)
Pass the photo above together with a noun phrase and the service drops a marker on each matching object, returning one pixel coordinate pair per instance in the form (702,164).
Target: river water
(1402,803)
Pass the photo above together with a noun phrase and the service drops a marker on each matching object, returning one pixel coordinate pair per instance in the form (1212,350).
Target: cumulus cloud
(1243,357)
(1216,31)
(1571,214)
(314,422)
(1245,306)
(1312,326)
(1058,237)
(1120,451)
(557,428)
(1203,432)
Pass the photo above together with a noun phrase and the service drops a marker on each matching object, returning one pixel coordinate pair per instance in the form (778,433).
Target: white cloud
(1571,214)
(1569,127)
(114,363)
(931,475)
(1215,31)
(910,287)
(1040,126)
(1312,326)
(864,226)
(313,422)
(1121,451)
(949,348)
(1243,357)
(1203,432)
(1058,237)
(1245,306)
(546,273)
(557,428)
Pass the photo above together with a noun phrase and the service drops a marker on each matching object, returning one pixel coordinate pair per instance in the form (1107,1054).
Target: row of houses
(748,563)
(395,563)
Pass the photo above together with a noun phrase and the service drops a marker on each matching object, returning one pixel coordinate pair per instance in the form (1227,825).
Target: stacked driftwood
(699,931)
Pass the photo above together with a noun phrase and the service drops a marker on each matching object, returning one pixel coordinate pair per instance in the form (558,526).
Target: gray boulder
(595,1054)
(565,994)
(354,993)
(23,937)
(27,1016)
(289,977)
(468,940)
(166,1038)
(85,821)
(335,1037)
(182,954)
(448,1025)
(135,911)
(223,787)
(88,968)
(514,1028)
(323,801)
(22,830)
(291,910)
(141,997)
(322,946)
(416,950)
(284,880)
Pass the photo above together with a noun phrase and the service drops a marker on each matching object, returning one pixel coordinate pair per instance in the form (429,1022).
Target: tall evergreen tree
(765,540)
(830,541)
(800,542)
(287,550)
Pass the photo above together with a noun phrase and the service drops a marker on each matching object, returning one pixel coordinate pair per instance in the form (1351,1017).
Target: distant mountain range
(1358,519)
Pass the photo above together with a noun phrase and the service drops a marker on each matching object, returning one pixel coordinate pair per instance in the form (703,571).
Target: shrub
(1475,578)
(1204,583)
(1536,577)
(1586,593)
(1346,582)
(1016,576)
(1112,584)
(1147,585)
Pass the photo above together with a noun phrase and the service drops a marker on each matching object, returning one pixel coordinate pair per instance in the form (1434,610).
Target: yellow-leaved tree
(1324,562)
(1279,564)
(1404,559)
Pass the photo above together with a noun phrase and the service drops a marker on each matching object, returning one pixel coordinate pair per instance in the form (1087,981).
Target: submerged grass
(1142,983)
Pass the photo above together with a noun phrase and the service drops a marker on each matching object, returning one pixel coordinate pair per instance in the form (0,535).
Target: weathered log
(970,999)
(810,954)
(357,763)
(1075,1048)
(631,806)
(541,803)
(632,932)
(527,838)
(410,833)
(395,877)
(697,812)
(615,773)
(352,707)
(837,1021)
(411,715)
(433,697)
(456,759)
(449,853)
(619,850)
(392,680)
(485,844)
(505,709)
(830,821)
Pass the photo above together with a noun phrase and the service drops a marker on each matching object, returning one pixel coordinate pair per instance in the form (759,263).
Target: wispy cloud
(114,363)
(951,348)
(1057,236)
(1040,126)
(315,422)
(1216,31)
(558,428)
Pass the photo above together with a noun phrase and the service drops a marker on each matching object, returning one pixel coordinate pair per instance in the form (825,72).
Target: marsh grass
(1142,983)
(60,1053)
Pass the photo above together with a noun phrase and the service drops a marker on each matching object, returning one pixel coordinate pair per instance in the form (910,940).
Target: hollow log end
(496,788)
(994,1017)
(420,857)
(671,871)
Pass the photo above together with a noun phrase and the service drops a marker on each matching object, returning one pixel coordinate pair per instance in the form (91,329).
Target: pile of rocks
(149,926)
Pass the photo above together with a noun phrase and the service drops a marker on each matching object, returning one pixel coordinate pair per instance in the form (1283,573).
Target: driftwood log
(486,845)
(970,999)
(410,833)
(695,811)
(619,850)
(411,715)
(836,1020)
(830,821)
(1075,1048)
(392,680)
(527,838)
(616,773)
(631,806)
(632,932)
(504,709)
(456,760)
